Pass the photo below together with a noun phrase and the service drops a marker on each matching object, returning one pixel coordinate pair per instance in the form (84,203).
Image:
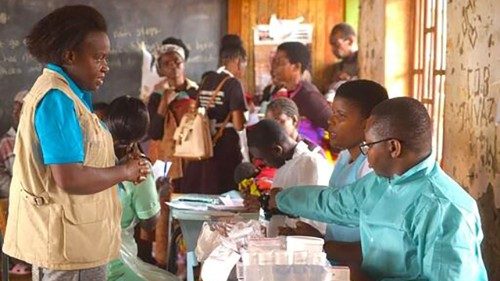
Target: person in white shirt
(295,162)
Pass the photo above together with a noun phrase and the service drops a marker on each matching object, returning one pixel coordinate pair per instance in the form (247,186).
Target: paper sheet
(160,169)
(183,205)
(231,202)
(219,264)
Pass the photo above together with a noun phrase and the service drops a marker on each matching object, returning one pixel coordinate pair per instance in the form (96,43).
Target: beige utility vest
(47,226)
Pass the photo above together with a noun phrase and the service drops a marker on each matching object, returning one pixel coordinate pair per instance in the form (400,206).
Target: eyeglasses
(365,146)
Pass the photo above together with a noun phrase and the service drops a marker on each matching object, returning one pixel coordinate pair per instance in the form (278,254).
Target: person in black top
(215,175)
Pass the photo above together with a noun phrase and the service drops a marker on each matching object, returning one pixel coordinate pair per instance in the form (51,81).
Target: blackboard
(200,24)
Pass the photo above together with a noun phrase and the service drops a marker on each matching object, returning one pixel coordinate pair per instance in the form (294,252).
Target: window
(429,63)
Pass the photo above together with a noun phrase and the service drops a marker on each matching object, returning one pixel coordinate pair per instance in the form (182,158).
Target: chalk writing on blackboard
(3,18)
(198,23)
(147,31)
(121,34)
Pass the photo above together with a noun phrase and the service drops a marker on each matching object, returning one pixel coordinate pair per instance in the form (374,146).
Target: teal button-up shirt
(418,226)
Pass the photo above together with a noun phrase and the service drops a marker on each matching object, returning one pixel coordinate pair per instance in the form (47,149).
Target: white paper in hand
(160,169)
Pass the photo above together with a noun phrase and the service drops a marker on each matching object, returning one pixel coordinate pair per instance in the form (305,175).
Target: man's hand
(301,228)
(286,231)
(305,229)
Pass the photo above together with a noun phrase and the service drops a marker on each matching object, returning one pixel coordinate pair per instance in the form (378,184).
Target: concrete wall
(372,40)
(471,135)
(472,100)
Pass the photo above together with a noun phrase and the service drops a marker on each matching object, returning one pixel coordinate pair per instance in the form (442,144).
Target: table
(191,222)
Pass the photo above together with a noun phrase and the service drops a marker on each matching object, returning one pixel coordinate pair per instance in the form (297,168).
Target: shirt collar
(361,157)
(420,169)
(85,96)
(300,149)
(223,69)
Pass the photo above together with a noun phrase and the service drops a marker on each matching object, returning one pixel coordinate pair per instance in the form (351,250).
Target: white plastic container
(304,243)
(281,258)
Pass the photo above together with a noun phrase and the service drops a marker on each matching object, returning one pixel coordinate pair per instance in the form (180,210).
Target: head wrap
(166,48)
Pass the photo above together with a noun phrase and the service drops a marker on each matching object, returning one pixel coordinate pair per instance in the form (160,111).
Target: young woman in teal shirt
(128,120)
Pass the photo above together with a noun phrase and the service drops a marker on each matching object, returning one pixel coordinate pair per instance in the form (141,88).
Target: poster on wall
(267,37)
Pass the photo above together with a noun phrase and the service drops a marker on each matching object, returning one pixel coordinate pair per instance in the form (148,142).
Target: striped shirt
(229,98)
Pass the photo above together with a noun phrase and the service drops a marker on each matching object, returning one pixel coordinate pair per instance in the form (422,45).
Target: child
(128,121)
(296,164)
(286,113)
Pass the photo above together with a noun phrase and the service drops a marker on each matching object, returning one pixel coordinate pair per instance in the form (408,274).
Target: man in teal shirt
(416,222)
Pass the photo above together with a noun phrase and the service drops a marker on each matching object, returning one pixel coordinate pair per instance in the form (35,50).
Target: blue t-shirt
(345,173)
(57,125)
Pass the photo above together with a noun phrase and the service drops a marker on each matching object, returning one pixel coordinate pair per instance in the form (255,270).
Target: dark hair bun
(231,40)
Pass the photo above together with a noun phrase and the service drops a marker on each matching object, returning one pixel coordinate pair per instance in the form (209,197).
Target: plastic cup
(304,243)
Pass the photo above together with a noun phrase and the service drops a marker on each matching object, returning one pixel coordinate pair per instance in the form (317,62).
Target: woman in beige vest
(64,213)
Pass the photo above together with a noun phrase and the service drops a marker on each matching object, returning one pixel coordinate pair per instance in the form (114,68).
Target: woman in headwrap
(171,99)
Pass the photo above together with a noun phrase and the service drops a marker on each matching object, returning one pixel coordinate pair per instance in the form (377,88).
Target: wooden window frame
(429,63)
